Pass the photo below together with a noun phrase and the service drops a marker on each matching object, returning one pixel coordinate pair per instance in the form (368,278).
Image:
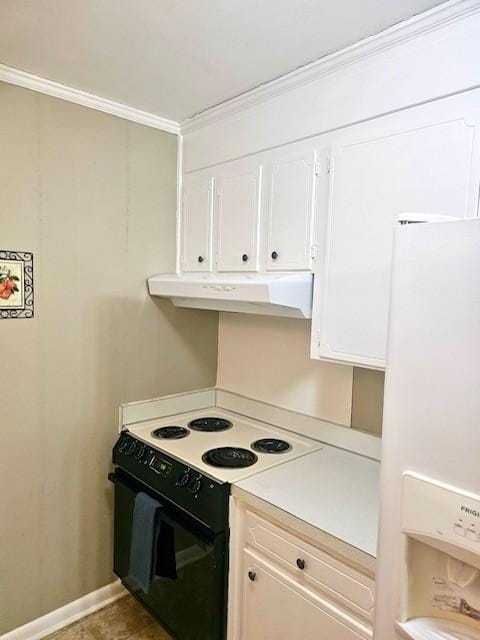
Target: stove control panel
(182,485)
(160,466)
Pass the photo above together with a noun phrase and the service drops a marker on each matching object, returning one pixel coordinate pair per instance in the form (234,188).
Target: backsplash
(267,359)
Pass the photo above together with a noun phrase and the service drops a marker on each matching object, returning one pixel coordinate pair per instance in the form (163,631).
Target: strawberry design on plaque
(8,285)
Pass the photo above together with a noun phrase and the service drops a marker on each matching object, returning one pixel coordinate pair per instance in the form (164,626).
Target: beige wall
(367,400)
(268,359)
(94,198)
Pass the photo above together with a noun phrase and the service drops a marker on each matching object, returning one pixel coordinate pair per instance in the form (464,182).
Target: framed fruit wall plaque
(16,284)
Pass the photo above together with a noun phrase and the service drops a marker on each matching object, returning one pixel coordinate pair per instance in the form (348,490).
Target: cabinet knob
(300,563)
(252,576)
(274,255)
(200,258)
(245,257)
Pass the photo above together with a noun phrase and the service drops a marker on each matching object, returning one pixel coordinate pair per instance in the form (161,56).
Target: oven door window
(192,605)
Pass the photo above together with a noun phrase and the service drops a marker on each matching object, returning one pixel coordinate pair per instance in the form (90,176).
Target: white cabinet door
(196,225)
(238,215)
(276,607)
(423,160)
(291,204)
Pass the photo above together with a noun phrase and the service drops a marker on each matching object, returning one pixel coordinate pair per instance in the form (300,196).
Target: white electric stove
(221,444)
(185,463)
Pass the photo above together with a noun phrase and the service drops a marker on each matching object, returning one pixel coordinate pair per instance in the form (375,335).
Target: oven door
(193,605)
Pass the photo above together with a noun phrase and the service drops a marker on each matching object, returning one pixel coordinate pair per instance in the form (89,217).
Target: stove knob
(123,445)
(196,486)
(140,450)
(130,448)
(184,479)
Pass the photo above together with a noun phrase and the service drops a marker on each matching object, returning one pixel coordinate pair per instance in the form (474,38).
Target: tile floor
(122,620)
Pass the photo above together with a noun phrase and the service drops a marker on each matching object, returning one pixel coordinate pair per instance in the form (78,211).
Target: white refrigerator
(428,572)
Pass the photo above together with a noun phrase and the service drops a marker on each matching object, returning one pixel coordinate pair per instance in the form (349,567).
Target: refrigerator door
(432,389)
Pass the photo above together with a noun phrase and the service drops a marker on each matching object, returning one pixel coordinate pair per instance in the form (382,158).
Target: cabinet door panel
(238,212)
(196,223)
(274,606)
(290,214)
(427,167)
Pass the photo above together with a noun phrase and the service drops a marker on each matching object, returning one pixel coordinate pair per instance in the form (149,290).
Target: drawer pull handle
(300,563)
(252,576)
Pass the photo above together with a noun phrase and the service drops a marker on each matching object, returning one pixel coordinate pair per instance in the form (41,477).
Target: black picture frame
(16,284)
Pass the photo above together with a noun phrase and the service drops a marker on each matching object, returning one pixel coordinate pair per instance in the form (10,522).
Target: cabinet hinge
(313,252)
(328,166)
(317,168)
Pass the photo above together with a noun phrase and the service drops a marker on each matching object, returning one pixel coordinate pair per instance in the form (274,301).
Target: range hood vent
(268,294)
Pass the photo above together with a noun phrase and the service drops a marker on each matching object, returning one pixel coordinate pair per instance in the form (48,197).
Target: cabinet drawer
(311,566)
(276,606)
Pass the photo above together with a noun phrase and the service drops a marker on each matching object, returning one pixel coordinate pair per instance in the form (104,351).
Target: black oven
(190,604)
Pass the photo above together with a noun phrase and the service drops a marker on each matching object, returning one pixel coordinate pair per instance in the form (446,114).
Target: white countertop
(333,490)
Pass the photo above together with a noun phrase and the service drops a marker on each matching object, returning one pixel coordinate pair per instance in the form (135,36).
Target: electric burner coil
(170,433)
(230,457)
(210,424)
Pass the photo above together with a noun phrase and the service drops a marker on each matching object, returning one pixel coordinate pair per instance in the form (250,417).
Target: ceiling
(175,58)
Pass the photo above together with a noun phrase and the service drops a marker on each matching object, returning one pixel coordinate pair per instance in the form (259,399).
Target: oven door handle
(113,477)
(165,513)
(124,484)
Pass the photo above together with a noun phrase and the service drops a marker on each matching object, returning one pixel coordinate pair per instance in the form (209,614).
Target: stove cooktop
(222,445)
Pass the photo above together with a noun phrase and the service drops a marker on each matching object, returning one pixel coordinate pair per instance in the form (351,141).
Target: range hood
(268,294)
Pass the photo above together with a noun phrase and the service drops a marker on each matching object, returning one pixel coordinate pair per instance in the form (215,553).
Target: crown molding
(408,30)
(57,90)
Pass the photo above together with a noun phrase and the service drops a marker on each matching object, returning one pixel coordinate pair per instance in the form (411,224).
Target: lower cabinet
(283,587)
(276,606)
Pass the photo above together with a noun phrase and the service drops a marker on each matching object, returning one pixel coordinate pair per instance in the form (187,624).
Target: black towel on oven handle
(143,544)
(152,547)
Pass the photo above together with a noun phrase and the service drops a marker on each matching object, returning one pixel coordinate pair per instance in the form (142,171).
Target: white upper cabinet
(423,160)
(196,223)
(237,215)
(258,213)
(290,208)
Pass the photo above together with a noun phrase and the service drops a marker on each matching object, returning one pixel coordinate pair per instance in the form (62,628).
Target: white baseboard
(71,612)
